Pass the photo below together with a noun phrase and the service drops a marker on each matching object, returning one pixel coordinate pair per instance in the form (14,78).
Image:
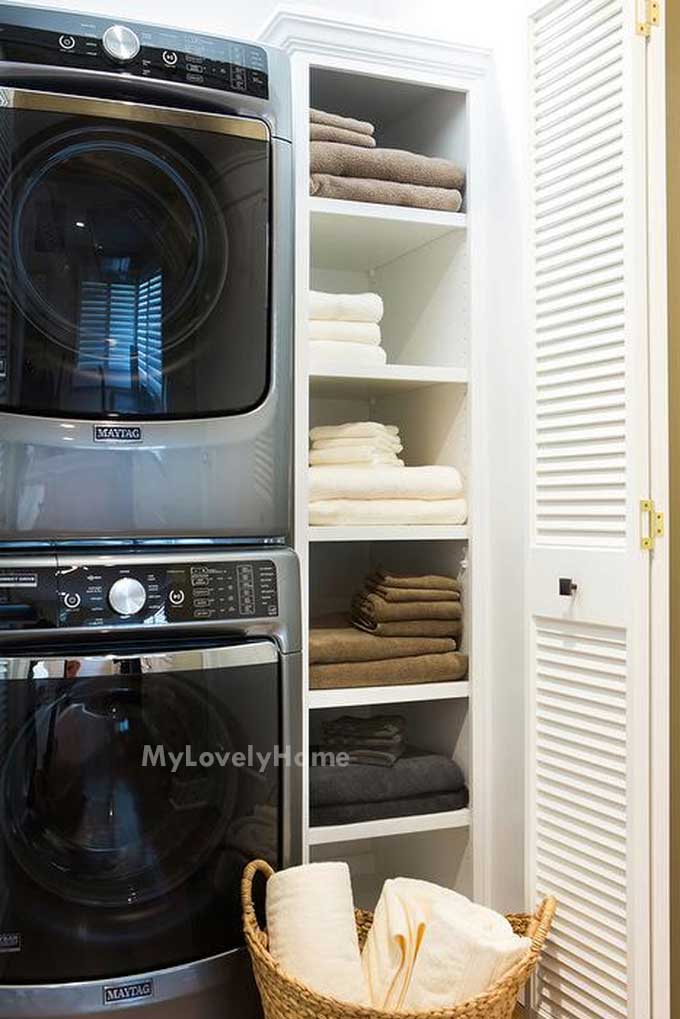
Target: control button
(203,613)
(121,43)
(72,601)
(176,597)
(127,596)
(67,42)
(170,58)
(196,79)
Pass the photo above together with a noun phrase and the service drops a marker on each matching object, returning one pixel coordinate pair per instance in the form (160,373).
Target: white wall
(501,26)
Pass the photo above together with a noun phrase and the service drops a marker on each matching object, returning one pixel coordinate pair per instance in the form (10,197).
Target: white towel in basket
(311,928)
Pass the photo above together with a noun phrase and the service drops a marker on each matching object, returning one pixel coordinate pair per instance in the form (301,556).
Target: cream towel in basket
(311,928)
(430,948)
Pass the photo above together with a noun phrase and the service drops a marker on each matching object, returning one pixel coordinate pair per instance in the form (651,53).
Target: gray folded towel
(408,806)
(335,120)
(394,165)
(368,730)
(416,773)
(326,133)
(384,192)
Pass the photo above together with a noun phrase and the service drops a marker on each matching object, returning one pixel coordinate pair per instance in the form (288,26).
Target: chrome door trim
(262,652)
(114,109)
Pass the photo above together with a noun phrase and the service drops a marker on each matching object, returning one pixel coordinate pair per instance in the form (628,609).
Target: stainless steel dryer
(149,725)
(146,261)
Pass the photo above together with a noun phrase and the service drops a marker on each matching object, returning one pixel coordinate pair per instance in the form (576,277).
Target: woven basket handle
(250,924)
(540,925)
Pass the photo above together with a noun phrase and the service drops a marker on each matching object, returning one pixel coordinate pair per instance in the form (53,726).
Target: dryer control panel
(94,593)
(84,42)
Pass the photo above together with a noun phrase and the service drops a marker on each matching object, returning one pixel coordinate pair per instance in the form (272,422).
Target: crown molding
(308,31)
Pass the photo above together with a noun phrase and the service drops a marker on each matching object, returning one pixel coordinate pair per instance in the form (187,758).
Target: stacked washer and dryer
(150,637)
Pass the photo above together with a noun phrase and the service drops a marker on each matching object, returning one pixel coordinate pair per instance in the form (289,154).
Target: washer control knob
(127,596)
(120,43)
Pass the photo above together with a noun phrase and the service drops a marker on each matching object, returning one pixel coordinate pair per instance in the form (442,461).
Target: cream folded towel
(344,332)
(329,354)
(388,443)
(354,429)
(346,307)
(385,512)
(422,483)
(311,928)
(355,456)
(430,948)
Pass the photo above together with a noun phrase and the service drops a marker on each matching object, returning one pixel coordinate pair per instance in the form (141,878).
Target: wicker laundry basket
(284,997)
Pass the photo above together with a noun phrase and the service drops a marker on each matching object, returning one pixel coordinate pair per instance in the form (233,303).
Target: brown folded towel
(411,593)
(326,133)
(384,192)
(327,646)
(376,609)
(412,628)
(433,580)
(395,165)
(335,120)
(419,669)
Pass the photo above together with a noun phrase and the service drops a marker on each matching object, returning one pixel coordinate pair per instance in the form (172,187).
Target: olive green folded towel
(347,644)
(438,668)
(374,609)
(409,594)
(433,580)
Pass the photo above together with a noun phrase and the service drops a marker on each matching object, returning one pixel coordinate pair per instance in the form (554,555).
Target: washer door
(126,817)
(133,258)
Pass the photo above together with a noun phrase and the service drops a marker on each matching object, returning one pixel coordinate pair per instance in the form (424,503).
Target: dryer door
(133,790)
(134,259)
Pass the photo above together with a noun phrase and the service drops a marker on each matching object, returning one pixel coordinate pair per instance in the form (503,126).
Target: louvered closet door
(588,770)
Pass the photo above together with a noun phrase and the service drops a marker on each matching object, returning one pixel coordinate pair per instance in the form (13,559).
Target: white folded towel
(320,330)
(430,948)
(385,512)
(331,354)
(389,443)
(354,456)
(422,483)
(311,928)
(353,429)
(346,307)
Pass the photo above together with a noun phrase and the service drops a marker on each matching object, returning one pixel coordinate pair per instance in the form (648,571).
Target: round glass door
(88,812)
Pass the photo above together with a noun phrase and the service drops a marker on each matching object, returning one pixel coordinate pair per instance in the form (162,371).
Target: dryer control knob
(127,596)
(120,43)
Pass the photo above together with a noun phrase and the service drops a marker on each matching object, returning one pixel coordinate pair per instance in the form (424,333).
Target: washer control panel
(192,592)
(91,43)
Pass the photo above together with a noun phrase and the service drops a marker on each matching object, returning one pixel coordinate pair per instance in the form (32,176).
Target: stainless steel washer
(150,727)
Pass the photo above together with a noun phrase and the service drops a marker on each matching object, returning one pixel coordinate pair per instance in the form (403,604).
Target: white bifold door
(589,574)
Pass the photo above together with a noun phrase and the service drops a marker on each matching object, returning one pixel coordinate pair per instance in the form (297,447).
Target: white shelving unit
(428,268)
(448,819)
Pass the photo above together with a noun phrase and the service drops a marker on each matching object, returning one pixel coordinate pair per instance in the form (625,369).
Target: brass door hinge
(656,525)
(648,16)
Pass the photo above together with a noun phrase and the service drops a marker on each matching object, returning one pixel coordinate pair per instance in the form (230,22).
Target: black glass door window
(134,263)
(116,858)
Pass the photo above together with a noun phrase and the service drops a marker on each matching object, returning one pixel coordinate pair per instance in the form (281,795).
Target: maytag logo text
(114,994)
(117,433)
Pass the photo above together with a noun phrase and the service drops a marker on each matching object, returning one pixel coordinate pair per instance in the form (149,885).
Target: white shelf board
(363,235)
(398,694)
(323,835)
(401,532)
(339,383)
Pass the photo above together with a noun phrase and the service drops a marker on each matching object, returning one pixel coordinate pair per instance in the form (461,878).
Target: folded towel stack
(417,782)
(343,492)
(348,447)
(344,164)
(380,740)
(344,330)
